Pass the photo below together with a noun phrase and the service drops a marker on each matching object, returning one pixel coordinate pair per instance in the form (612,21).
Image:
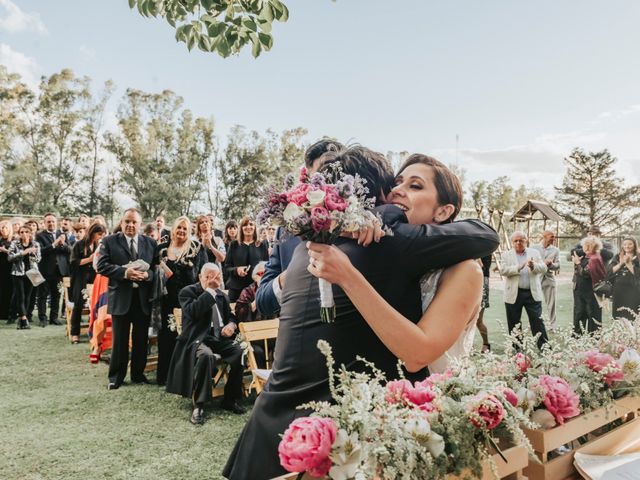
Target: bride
(429,193)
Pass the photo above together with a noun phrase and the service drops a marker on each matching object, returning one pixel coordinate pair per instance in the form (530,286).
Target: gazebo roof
(527,211)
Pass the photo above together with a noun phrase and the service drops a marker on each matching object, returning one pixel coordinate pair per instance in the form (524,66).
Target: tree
(592,194)
(162,152)
(221,26)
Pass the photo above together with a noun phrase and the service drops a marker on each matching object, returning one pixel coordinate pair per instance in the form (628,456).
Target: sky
(520,84)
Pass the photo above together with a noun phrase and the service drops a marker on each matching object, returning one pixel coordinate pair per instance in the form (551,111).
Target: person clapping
(624,274)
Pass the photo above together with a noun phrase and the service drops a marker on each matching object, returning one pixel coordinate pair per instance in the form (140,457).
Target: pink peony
(489,410)
(304,175)
(320,219)
(306,444)
(422,395)
(510,396)
(598,361)
(522,362)
(333,200)
(299,194)
(397,391)
(560,399)
(436,378)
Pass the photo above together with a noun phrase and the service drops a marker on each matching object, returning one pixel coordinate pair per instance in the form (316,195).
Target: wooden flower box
(546,441)
(631,402)
(517,460)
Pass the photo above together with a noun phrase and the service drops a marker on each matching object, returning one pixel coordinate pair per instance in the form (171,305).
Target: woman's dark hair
(446,182)
(245,221)
(635,244)
(150,229)
(227,239)
(372,166)
(94,229)
(316,150)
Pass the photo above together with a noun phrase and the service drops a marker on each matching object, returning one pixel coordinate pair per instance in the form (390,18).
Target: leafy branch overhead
(221,26)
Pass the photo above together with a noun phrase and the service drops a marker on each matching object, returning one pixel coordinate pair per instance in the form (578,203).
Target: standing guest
(212,244)
(80,231)
(24,255)
(269,294)
(151,231)
(246,311)
(230,233)
(485,263)
(55,251)
(128,296)
(16,224)
(242,255)
(66,228)
(589,270)
(216,232)
(82,272)
(164,234)
(31,302)
(33,225)
(6,284)
(181,259)
(523,269)
(84,220)
(624,272)
(550,255)
(208,330)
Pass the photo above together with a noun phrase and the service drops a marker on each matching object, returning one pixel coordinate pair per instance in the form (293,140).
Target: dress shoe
(113,386)
(197,416)
(140,381)
(43,323)
(234,408)
(55,321)
(25,325)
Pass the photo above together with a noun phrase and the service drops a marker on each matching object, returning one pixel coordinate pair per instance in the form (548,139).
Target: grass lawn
(58,421)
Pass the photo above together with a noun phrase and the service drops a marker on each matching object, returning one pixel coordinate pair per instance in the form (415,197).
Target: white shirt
(135,242)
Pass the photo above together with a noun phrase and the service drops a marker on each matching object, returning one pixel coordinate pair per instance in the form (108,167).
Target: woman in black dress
(624,273)
(230,233)
(82,272)
(242,256)
(6,286)
(24,255)
(181,259)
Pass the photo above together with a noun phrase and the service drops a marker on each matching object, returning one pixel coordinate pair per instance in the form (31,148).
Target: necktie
(215,322)
(132,250)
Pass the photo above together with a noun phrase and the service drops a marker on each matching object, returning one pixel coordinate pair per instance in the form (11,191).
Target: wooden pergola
(538,211)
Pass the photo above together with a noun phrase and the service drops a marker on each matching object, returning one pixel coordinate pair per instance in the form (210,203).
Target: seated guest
(24,255)
(181,259)
(246,311)
(82,272)
(208,328)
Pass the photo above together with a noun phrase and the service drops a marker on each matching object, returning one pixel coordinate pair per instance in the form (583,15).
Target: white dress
(463,345)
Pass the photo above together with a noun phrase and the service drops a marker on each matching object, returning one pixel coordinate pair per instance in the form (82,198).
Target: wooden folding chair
(254,331)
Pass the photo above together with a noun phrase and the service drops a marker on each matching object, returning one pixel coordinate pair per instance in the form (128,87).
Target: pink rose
(422,395)
(487,411)
(436,378)
(320,219)
(397,391)
(304,175)
(522,362)
(510,396)
(333,200)
(598,361)
(299,194)
(306,444)
(560,399)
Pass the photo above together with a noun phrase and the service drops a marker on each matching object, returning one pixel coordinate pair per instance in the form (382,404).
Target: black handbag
(603,288)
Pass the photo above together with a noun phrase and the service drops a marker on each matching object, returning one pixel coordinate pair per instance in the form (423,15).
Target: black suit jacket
(114,253)
(196,304)
(55,260)
(393,267)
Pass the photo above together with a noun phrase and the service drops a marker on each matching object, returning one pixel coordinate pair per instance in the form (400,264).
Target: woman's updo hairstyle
(446,182)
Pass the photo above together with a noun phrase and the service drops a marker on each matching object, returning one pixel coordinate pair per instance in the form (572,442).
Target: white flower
(418,427)
(435,444)
(292,211)
(584,386)
(315,197)
(346,455)
(526,398)
(630,362)
(543,418)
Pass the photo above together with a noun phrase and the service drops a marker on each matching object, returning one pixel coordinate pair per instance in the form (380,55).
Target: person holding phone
(243,254)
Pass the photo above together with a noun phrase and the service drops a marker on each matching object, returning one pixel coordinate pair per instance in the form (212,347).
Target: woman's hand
(328,262)
(576,258)
(372,232)
(241,271)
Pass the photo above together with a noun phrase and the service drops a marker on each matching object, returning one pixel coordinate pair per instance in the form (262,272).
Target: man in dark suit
(208,333)
(393,267)
(55,250)
(129,294)
(270,290)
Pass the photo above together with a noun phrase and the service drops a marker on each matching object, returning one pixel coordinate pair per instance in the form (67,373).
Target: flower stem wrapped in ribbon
(319,208)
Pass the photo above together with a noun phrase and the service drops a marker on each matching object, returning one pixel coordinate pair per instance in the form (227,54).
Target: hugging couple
(414,296)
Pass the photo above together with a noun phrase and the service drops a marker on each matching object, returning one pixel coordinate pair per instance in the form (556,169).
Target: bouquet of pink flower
(319,208)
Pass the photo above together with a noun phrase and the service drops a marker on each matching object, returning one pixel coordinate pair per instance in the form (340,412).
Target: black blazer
(55,261)
(240,255)
(394,268)
(114,253)
(196,304)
